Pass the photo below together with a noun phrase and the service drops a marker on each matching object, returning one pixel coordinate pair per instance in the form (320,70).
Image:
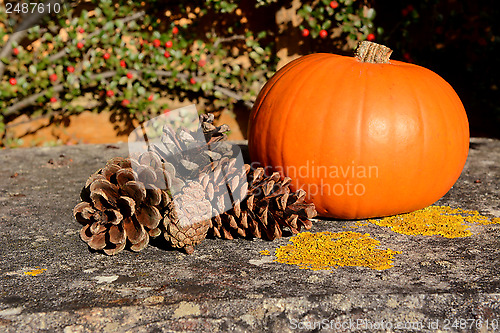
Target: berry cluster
(354,19)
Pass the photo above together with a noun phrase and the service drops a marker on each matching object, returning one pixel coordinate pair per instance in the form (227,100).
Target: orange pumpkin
(364,136)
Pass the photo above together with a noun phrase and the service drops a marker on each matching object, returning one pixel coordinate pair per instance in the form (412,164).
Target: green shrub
(133,57)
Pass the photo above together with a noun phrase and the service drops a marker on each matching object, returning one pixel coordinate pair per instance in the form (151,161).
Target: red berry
(166,54)
(81,30)
(53,99)
(130,75)
(53,77)
(334,4)
(323,33)
(407,57)
(15,51)
(12,81)
(192,80)
(202,62)
(70,69)
(169,44)
(407,10)
(150,98)
(370,37)
(166,111)
(305,32)
(125,102)
(106,56)
(156,43)
(79,45)
(175,30)
(123,63)
(110,93)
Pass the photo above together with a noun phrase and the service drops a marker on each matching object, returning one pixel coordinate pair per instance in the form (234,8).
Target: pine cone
(126,200)
(187,218)
(187,153)
(225,184)
(117,206)
(211,132)
(269,207)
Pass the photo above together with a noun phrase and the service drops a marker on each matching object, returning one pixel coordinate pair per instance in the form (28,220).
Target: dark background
(459,40)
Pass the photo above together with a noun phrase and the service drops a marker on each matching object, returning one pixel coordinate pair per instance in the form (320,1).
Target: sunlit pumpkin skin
(324,118)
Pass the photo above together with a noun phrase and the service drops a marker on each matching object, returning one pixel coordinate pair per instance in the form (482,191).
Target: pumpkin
(364,136)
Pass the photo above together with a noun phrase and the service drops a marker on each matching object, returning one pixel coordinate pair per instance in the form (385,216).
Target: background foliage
(134,58)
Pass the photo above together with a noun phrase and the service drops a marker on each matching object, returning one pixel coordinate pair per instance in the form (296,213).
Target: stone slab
(227,285)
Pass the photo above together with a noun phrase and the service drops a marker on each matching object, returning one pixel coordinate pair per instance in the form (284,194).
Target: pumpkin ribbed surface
(362,139)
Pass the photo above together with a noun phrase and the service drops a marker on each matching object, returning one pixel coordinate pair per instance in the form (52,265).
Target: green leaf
(262,34)
(259,50)
(123,80)
(108,26)
(369,13)
(207,85)
(326,25)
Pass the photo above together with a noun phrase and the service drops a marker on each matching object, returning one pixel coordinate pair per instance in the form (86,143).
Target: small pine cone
(269,207)
(211,132)
(117,207)
(188,218)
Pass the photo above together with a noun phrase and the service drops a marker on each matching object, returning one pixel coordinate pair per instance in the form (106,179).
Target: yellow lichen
(265,253)
(326,250)
(36,271)
(435,220)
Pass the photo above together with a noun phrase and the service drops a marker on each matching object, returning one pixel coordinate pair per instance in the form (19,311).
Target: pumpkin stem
(372,52)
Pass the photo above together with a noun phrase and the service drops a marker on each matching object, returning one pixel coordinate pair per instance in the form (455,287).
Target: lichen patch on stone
(327,250)
(35,272)
(435,220)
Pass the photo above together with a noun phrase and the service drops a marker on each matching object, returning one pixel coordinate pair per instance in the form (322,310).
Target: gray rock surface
(228,285)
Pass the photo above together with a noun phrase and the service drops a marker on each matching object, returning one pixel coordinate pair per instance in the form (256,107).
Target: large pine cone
(225,184)
(269,207)
(187,218)
(117,207)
